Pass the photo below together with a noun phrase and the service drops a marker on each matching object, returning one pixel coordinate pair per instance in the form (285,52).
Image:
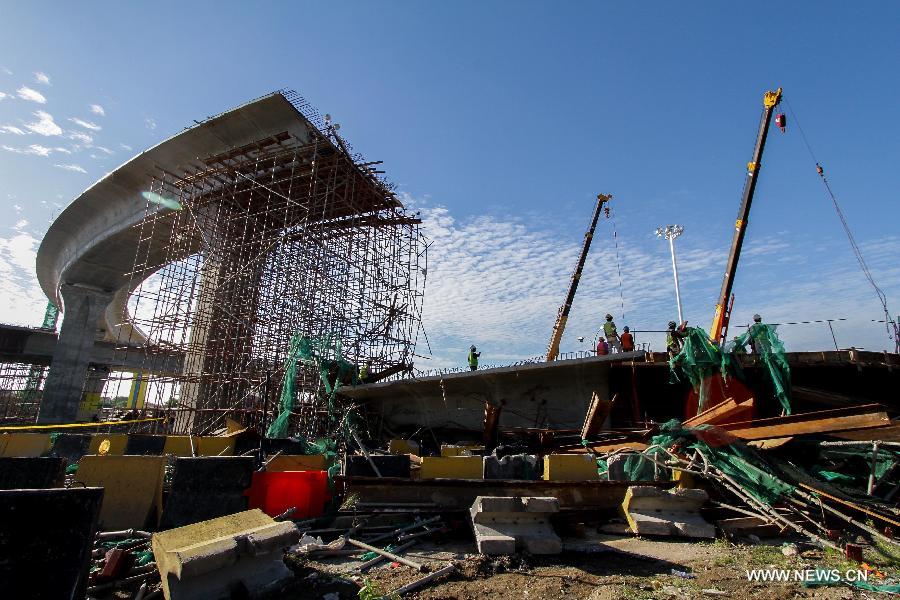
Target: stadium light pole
(670,232)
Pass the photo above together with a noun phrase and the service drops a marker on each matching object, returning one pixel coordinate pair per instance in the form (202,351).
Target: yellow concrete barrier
(180,445)
(216,446)
(296,462)
(451,467)
(24,444)
(133,488)
(570,467)
(453,450)
(116,446)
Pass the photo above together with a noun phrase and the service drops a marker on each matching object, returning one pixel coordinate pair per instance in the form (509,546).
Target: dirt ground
(597,567)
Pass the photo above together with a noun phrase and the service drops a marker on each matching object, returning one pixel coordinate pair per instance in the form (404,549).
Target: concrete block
(394,465)
(311,462)
(24,444)
(570,467)
(207,487)
(403,447)
(71,446)
(513,466)
(133,487)
(145,445)
(214,559)
(653,511)
(541,504)
(33,472)
(503,525)
(451,467)
(116,445)
(46,541)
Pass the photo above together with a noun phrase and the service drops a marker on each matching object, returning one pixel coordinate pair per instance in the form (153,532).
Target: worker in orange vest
(627,340)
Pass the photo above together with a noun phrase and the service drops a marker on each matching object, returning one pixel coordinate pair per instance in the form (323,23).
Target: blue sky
(502,121)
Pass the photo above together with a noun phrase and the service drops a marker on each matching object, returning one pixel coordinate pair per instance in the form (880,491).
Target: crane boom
(563,316)
(719,328)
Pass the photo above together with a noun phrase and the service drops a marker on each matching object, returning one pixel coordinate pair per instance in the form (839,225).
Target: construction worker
(473,358)
(674,335)
(602,347)
(612,336)
(627,340)
(738,348)
(364,371)
(757,341)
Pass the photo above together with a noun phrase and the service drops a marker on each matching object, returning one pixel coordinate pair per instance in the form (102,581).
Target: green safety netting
(722,450)
(766,344)
(700,359)
(697,361)
(323,355)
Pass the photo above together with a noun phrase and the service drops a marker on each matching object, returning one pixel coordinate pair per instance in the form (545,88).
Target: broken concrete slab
(652,511)
(506,524)
(514,466)
(212,560)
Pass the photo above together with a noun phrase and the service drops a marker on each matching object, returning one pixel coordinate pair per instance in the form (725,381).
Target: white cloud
(98,110)
(81,137)
(126,147)
(44,125)
(4,95)
(86,124)
(36,150)
(76,168)
(41,77)
(17,208)
(26,93)
(105,150)
(20,225)
(5,70)
(21,299)
(151,124)
(11,129)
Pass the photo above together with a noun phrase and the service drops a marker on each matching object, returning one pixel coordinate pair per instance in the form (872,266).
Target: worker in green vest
(612,336)
(364,372)
(674,335)
(473,358)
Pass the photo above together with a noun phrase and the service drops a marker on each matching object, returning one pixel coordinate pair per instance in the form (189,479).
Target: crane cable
(890,323)
(618,263)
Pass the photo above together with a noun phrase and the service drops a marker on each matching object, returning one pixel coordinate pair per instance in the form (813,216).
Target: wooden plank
(890,433)
(827,425)
(728,411)
(596,414)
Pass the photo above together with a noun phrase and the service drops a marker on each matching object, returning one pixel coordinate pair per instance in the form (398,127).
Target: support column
(63,389)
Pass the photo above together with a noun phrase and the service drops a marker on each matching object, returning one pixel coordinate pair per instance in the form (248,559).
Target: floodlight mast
(670,232)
